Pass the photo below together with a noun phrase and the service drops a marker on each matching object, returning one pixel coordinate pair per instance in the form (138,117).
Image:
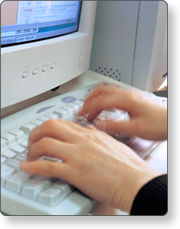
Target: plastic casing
(33,68)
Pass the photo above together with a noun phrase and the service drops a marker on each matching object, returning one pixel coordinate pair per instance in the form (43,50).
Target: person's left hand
(92,161)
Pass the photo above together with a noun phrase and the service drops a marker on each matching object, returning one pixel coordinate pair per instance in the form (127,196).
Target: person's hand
(92,161)
(148,115)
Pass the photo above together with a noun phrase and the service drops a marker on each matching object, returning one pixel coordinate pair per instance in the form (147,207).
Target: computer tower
(130,42)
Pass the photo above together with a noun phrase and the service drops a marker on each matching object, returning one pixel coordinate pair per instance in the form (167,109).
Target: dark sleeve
(152,198)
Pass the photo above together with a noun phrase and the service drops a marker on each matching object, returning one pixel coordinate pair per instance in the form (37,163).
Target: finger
(49,147)
(90,127)
(104,87)
(88,105)
(107,102)
(45,168)
(72,125)
(116,127)
(98,91)
(53,129)
(95,106)
(120,99)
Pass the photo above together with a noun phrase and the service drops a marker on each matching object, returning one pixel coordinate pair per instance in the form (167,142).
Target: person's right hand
(148,115)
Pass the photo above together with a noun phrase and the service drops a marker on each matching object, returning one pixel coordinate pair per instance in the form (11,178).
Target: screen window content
(24,21)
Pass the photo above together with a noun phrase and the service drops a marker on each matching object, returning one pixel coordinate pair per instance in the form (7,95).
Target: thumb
(114,127)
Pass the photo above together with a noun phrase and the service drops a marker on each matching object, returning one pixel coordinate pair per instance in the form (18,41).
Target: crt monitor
(43,45)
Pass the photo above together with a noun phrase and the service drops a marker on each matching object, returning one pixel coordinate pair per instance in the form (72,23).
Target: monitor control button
(25,75)
(35,72)
(44,69)
(53,66)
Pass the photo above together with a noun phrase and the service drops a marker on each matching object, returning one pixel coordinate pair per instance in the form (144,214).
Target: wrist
(132,186)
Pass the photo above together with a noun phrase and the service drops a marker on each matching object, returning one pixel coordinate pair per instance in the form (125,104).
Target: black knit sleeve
(152,198)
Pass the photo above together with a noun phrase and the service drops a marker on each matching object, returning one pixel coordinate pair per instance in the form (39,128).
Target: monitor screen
(25,21)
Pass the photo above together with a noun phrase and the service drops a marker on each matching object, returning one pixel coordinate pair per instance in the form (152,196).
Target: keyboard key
(34,186)
(18,133)
(64,187)
(10,138)
(9,154)
(51,196)
(16,181)
(18,149)
(68,109)
(78,102)
(24,143)
(43,118)
(52,116)
(27,128)
(14,163)
(61,113)
(3,159)
(56,193)
(3,143)
(73,106)
(21,157)
(36,122)
(5,171)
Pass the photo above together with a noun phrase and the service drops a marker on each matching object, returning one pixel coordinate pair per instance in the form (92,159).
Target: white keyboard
(25,194)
